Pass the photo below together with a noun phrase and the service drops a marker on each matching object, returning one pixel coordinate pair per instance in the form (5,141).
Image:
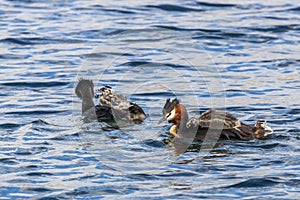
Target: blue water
(242,56)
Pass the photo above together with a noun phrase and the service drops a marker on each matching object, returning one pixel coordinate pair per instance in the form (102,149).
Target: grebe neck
(182,116)
(180,120)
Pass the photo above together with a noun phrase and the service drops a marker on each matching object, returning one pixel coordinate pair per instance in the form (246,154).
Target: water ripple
(37,41)
(174,8)
(263,182)
(238,56)
(35,84)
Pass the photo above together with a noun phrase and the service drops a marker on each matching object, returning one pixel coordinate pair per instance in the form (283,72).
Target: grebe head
(105,96)
(106,90)
(174,112)
(84,88)
(262,129)
(168,110)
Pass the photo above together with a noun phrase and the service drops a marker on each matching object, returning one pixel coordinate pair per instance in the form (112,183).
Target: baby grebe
(219,124)
(111,108)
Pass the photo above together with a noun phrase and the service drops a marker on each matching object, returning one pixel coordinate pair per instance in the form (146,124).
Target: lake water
(242,56)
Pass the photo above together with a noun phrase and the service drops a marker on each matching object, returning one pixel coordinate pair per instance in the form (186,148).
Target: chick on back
(111,107)
(110,99)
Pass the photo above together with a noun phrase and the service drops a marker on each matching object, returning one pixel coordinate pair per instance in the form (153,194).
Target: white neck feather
(172,115)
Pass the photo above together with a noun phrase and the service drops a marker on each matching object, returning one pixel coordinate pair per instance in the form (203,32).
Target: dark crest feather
(170,105)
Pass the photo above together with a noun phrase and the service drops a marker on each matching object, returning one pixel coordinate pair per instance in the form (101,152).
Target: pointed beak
(162,120)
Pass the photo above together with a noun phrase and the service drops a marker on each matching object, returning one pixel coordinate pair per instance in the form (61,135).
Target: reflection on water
(242,56)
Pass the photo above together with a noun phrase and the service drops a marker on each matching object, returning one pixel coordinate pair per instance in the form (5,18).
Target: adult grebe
(219,125)
(111,108)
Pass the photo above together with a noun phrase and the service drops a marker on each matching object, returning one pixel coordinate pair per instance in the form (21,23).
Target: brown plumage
(212,124)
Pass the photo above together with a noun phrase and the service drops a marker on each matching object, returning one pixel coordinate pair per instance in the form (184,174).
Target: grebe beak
(162,120)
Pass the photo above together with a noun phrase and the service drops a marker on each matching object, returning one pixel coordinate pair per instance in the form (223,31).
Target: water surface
(241,56)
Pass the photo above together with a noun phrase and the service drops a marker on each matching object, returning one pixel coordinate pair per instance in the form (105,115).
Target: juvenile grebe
(111,108)
(224,125)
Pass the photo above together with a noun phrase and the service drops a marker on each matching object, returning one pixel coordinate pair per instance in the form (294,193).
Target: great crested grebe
(224,125)
(111,108)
